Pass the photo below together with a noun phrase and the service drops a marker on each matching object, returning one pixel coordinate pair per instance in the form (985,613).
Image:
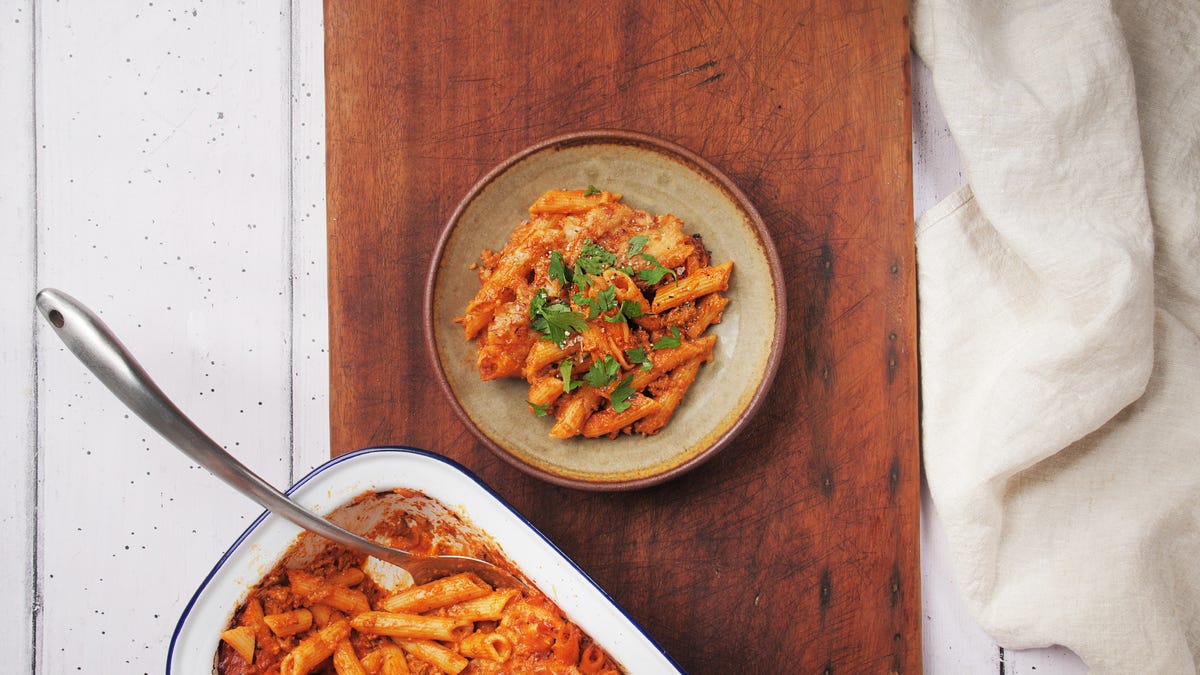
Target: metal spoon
(100,350)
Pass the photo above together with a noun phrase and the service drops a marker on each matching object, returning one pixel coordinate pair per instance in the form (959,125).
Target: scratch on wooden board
(695,69)
(667,57)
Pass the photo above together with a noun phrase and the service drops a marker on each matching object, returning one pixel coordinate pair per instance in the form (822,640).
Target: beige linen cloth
(1060,323)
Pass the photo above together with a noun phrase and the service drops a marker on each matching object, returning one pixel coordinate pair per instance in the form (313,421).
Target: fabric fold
(1060,323)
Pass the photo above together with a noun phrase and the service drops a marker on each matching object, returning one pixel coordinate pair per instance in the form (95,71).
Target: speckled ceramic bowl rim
(713,175)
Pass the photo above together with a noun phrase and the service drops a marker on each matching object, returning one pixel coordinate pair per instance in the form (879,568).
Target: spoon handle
(99,349)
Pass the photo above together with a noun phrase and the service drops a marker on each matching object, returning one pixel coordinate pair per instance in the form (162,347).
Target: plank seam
(290,230)
(34,527)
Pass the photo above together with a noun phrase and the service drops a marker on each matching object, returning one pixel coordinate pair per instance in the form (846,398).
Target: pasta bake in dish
(325,609)
(602,308)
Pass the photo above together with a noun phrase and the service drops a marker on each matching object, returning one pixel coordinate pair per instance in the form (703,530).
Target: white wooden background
(164,163)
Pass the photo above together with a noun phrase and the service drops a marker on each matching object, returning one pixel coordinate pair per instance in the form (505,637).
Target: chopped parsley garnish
(554,319)
(583,300)
(537,303)
(637,356)
(539,410)
(593,259)
(603,372)
(669,341)
(622,393)
(558,270)
(591,190)
(565,369)
(630,309)
(656,272)
(606,298)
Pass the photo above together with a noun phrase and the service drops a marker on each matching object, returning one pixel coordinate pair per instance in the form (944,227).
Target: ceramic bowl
(657,177)
(338,482)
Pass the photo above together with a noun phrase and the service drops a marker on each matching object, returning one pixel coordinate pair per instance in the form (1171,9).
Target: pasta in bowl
(564,305)
(619,226)
(324,608)
(280,594)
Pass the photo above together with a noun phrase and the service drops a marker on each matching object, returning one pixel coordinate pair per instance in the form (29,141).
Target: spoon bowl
(86,335)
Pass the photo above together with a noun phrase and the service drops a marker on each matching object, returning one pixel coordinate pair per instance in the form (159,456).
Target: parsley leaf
(606,298)
(537,303)
(558,270)
(539,410)
(630,309)
(621,395)
(637,355)
(636,243)
(555,320)
(591,190)
(593,259)
(561,321)
(602,372)
(583,300)
(654,274)
(669,341)
(565,369)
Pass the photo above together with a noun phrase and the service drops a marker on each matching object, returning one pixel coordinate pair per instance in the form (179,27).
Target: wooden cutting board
(796,549)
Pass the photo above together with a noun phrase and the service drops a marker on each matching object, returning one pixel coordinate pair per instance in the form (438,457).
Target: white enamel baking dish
(342,479)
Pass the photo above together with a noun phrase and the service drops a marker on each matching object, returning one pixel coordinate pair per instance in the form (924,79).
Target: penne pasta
(708,311)
(545,391)
(393,662)
(252,617)
(323,615)
(577,409)
(314,649)
(388,659)
(666,360)
(486,608)
(543,353)
(602,339)
(437,593)
(351,576)
(592,661)
(415,626)
(706,280)
(372,661)
(627,289)
(454,624)
(318,590)
(443,658)
(669,397)
(566,644)
(242,641)
(666,244)
(610,421)
(570,201)
(345,661)
(492,645)
(289,623)
(590,280)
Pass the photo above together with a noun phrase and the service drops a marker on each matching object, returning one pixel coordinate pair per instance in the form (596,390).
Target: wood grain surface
(794,550)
